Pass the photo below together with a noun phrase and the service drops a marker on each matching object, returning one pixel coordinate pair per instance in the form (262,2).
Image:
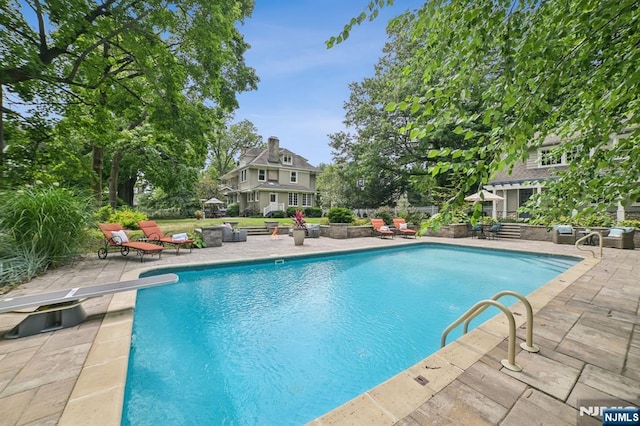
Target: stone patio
(587,324)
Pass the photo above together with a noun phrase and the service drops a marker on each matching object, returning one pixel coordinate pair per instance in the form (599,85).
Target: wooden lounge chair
(380,229)
(116,238)
(155,235)
(402,228)
(62,308)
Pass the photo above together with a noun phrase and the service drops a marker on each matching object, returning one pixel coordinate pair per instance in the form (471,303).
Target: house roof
(521,173)
(259,158)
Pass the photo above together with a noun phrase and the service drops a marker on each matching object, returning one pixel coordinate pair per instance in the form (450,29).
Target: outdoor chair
(564,234)
(477,231)
(494,231)
(402,228)
(117,239)
(620,237)
(154,234)
(380,229)
(230,235)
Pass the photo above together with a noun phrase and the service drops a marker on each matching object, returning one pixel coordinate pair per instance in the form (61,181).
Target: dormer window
(552,157)
(287,159)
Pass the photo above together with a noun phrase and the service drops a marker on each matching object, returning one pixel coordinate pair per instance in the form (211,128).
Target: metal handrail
(586,237)
(510,362)
(528,345)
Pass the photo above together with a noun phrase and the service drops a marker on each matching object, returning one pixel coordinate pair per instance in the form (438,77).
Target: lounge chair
(564,234)
(402,228)
(380,229)
(116,238)
(619,237)
(155,235)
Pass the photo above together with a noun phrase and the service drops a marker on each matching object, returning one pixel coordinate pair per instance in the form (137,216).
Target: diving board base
(49,318)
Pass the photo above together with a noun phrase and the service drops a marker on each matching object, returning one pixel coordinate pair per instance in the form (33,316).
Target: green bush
(127,218)
(291,211)
(630,222)
(233,210)
(43,225)
(278,214)
(340,215)
(385,214)
(313,212)
(103,214)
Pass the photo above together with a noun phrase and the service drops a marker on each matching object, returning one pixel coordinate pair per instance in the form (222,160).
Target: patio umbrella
(483,196)
(213,200)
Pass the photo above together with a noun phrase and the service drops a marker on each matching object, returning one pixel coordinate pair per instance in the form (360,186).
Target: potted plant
(299,227)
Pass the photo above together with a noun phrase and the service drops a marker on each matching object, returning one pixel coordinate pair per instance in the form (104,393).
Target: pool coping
(386,403)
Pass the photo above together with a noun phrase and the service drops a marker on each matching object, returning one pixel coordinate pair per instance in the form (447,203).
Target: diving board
(61,308)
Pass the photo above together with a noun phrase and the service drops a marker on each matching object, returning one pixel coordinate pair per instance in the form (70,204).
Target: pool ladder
(478,308)
(589,238)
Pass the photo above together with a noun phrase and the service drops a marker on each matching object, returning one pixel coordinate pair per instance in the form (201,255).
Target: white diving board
(61,308)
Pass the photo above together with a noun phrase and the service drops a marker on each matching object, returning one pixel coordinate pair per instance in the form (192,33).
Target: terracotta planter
(298,236)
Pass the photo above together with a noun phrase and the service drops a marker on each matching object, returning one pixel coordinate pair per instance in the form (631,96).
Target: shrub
(233,210)
(385,214)
(127,218)
(103,214)
(43,225)
(313,212)
(291,211)
(630,222)
(278,213)
(340,215)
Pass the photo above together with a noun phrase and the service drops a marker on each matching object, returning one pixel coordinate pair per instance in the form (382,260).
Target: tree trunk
(98,152)
(1,125)
(126,190)
(113,179)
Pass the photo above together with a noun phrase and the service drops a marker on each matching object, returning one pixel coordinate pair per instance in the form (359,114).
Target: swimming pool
(284,342)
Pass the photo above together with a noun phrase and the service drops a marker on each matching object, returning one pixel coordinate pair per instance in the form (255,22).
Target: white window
(307,200)
(273,197)
(548,157)
(293,198)
(552,157)
(262,175)
(243,175)
(287,159)
(257,197)
(294,177)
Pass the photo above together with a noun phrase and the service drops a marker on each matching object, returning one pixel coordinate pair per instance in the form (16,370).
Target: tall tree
(390,154)
(568,69)
(227,141)
(159,53)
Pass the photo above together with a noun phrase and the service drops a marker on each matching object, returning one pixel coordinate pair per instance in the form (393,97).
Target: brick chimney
(273,145)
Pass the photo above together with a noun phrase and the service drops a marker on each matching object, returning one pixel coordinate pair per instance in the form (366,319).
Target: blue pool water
(267,343)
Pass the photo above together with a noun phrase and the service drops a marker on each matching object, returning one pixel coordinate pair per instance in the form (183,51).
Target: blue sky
(303,85)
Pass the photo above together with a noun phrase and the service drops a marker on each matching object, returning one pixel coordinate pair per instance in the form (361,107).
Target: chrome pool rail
(589,237)
(478,308)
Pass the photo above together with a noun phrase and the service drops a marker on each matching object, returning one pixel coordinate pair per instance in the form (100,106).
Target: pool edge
(386,403)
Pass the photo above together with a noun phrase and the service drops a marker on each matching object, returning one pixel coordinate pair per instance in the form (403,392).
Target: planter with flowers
(299,228)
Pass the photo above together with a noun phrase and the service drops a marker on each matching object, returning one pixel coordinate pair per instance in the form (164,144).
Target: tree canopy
(129,84)
(544,68)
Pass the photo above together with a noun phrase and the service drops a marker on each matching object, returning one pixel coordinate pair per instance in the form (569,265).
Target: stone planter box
(454,230)
(211,235)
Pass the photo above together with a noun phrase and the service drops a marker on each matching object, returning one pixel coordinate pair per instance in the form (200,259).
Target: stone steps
(509,231)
